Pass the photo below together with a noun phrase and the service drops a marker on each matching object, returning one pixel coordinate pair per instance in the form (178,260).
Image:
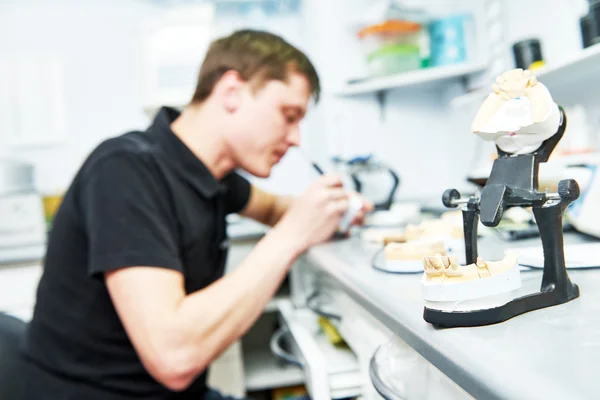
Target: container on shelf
(391,47)
(590,26)
(450,39)
(394,59)
(528,54)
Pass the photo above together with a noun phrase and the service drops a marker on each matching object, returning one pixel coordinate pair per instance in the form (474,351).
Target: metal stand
(513,182)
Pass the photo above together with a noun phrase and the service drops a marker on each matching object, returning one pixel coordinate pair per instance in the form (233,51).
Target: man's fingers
(337,194)
(367,205)
(338,206)
(331,180)
(359,219)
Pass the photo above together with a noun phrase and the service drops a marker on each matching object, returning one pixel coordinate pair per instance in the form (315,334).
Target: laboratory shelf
(575,70)
(420,77)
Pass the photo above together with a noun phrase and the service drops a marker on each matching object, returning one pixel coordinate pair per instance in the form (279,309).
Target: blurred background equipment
(528,54)
(590,25)
(22,224)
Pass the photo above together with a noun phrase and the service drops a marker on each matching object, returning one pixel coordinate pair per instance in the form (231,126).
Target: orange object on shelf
(393,27)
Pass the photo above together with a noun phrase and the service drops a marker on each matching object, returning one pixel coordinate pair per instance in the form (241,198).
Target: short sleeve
(127,216)
(237,192)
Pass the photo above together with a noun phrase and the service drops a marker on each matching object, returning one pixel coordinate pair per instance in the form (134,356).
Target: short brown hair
(257,56)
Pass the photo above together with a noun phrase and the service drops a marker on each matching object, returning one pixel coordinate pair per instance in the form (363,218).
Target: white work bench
(550,353)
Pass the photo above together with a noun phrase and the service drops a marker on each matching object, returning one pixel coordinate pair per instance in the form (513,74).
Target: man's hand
(367,207)
(314,217)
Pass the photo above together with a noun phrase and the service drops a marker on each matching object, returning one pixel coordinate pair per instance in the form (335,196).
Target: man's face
(265,123)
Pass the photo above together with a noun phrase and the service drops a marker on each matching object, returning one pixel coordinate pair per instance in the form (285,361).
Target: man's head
(262,86)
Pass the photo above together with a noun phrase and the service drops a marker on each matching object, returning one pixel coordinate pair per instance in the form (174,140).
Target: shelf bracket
(381,96)
(464,82)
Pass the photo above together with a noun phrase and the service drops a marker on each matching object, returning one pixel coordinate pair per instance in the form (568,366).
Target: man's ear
(228,89)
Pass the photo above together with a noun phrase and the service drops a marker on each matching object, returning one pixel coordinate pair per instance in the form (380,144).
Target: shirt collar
(179,155)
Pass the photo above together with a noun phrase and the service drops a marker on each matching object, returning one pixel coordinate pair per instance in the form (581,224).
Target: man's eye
(291,119)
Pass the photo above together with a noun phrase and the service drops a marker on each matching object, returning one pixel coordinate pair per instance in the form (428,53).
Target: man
(132,302)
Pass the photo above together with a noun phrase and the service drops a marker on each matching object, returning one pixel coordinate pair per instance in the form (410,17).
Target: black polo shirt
(140,199)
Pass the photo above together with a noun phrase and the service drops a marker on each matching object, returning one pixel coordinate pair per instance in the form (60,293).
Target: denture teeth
(433,266)
(454,269)
(533,81)
(454,263)
(446,262)
(436,261)
(480,263)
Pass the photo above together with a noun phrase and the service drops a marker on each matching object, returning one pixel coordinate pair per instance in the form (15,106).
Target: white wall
(554,22)
(418,135)
(557,26)
(97,43)
(100,46)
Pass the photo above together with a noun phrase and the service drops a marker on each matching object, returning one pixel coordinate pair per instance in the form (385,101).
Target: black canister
(527,53)
(590,26)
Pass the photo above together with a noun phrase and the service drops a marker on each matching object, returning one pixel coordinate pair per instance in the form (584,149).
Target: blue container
(448,38)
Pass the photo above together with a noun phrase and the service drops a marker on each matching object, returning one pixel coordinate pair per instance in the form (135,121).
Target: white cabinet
(249,366)
(263,371)
(385,364)
(330,372)
(390,366)
(18,287)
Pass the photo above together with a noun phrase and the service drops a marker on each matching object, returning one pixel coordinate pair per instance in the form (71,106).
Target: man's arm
(265,207)
(178,336)
(132,238)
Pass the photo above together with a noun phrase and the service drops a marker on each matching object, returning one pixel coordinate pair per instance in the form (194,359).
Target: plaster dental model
(519,115)
(526,125)
(449,286)
(383,236)
(415,250)
(434,228)
(409,256)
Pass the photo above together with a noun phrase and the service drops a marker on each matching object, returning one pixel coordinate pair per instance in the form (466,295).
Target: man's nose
(293,136)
